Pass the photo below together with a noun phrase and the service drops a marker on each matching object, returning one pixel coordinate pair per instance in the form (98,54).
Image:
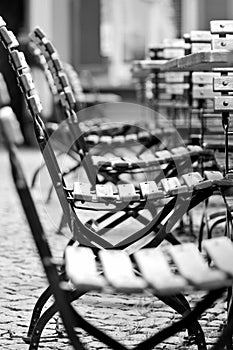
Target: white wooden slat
(118,162)
(127,192)
(105,192)
(82,191)
(149,158)
(131,137)
(106,139)
(192,266)
(150,190)
(118,139)
(213,175)
(100,161)
(118,271)
(82,270)
(192,179)
(220,250)
(156,271)
(221,27)
(179,150)
(195,149)
(135,161)
(172,186)
(163,155)
(94,139)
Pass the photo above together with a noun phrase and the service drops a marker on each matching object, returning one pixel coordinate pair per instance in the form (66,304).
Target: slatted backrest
(67,99)
(223,40)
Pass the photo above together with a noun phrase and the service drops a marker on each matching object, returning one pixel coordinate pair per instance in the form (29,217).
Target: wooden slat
(213,175)
(100,161)
(222,44)
(220,250)
(223,103)
(93,139)
(196,181)
(174,77)
(127,192)
(192,179)
(82,270)
(118,271)
(203,77)
(106,139)
(135,161)
(143,135)
(105,192)
(179,150)
(192,266)
(223,84)
(197,47)
(195,149)
(118,162)
(149,158)
(172,186)
(82,191)
(118,139)
(163,155)
(131,137)
(200,36)
(150,190)
(202,92)
(156,271)
(221,27)
(176,89)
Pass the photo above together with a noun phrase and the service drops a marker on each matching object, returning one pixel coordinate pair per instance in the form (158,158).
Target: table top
(199,61)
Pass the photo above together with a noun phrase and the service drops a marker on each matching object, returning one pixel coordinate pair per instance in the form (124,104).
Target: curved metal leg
(38,329)
(44,297)
(44,319)
(180,304)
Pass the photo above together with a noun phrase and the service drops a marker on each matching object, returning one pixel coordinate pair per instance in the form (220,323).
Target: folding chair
(150,269)
(177,198)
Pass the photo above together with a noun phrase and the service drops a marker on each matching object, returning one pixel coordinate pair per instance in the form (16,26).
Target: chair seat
(164,271)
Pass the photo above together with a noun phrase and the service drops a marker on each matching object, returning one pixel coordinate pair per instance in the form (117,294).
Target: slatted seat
(156,268)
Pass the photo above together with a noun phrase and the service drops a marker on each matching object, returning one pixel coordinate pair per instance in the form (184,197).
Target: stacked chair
(166,201)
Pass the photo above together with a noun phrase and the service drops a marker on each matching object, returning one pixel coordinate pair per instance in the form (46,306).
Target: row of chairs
(166,199)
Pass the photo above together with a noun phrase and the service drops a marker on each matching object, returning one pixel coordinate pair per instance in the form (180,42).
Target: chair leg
(44,319)
(187,320)
(39,327)
(44,297)
(180,304)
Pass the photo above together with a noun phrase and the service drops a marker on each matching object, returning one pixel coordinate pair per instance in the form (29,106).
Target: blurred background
(101,38)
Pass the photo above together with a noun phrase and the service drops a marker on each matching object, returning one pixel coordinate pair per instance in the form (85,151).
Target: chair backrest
(223,40)
(67,99)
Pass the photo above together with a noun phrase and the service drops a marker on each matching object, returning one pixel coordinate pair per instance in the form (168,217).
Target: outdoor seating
(128,264)
(150,268)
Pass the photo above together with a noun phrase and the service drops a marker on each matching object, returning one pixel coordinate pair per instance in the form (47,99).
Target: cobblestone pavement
(22,280)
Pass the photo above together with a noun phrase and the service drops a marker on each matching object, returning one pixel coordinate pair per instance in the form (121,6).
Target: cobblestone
(129,320)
